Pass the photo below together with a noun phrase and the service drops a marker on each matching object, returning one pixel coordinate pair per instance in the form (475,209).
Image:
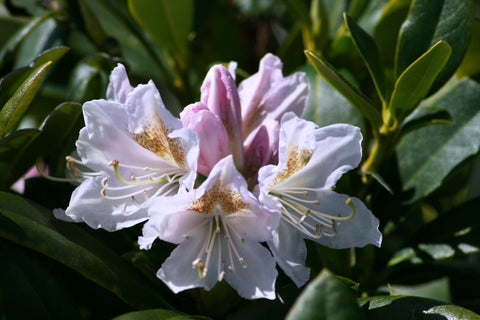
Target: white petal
(87,205)
(290,252)
(257,279)
(179,274)
(359,231)
(119,87)
(337,149)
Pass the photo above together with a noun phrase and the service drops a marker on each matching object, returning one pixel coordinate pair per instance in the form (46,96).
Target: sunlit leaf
(345,88)
(326,297)
(368,49)
(15,107)
(405,307)
(429,22)
(415,82)
(169,22)
(424,163)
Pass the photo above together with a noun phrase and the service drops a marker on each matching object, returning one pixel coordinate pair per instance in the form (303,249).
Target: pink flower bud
(219,94)
(211,132)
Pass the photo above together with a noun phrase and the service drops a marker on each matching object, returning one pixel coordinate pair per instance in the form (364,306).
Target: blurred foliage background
(380,66)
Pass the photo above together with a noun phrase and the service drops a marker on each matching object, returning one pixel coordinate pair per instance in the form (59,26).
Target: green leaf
(406,307)
(470,65)
(326,105)
(368,49)
(345,88)
(15,107)
(415,82)
(326,297)
(12,45)
(13,151)
(452,312)
(429,22)
(424,163)
(37,281)
(157,314)
(34,227)
(425,116)
(388,25)
(169,22)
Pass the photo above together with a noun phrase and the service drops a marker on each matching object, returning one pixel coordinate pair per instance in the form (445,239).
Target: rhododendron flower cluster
(238,181)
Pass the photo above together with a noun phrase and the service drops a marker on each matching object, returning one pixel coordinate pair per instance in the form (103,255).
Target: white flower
(131,151)
(311,160)
(218,227)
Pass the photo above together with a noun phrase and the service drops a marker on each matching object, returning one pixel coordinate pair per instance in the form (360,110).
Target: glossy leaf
(31,226)
(13,149)
(415,82)
(429,22)
(345,88)
(388,25)
(169,22)
(405,307)
(326,297)
(326,105)
(425,116)
(18,103)
(157,314)
(424,163)
(17,38)
(470,65)
(368,50)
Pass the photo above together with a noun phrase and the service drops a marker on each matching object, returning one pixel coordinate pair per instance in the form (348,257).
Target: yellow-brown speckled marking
(296,160)
(155,138)
(229,201)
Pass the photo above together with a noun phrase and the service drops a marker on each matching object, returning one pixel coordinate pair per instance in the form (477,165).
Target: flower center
(218,199)
(153,136)
(296,159)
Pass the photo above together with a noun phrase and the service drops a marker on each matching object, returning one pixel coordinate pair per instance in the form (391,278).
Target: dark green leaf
(425,116)
(43,293)
(157,314)
(326,105)
(326,297)
(20,35)
(415,82)
(34,227)
(13,151)
(387,28)
(452,312)
(15,107)
(368,49)
(470,65)
(345,88)
(399,307)
(424,163)
(169,22)
(429,22)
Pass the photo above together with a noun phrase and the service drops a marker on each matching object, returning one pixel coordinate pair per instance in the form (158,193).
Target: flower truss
(238,182)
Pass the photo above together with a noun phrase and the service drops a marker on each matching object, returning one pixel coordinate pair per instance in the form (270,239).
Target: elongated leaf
(415,82)
(34,227)
(405,307)
(16,106)
(345,88)
(12,152)
(168,21)
(157,314)
(43,292)
(326,297)
(368,49)
(425,116)
(326,105)
(429,22)
(424,163)
(20,35)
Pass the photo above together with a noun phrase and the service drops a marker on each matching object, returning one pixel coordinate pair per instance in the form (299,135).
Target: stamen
(115,165)
(46,176)
(221,276)
(242,262)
